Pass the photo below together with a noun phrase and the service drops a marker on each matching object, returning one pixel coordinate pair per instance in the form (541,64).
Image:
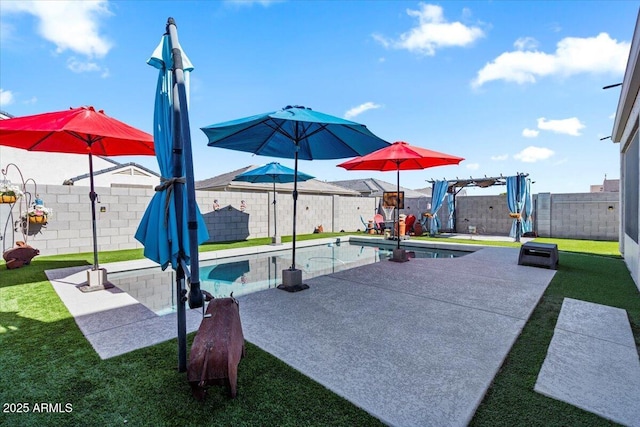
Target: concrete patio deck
(414,344)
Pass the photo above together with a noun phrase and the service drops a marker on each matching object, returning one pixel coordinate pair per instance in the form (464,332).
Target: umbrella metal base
(292,281)
(399,255)
(96,281)
(277,240)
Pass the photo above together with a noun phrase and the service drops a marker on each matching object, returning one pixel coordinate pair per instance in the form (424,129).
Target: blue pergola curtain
(437,197)
(527,222)
(451,208)
(515,200)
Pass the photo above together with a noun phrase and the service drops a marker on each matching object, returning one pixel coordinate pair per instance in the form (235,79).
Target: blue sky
(510,86)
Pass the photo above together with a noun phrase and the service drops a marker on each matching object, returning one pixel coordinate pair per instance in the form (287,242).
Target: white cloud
(473,166)
(530,133)
(532,154)
(432,32)
(70,25)
(78,66)
(356,111)
(573,55)
(613,115)
(525,43)
(500,157)
(571,126)
(6,97)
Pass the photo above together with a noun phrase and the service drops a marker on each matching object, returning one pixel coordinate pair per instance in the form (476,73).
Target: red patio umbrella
(77,131)
(400,156)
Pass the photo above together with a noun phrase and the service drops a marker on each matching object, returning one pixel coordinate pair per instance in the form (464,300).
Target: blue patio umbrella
(172,226)
(276,173)
(295,132)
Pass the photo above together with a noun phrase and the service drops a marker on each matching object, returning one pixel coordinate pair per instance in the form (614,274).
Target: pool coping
(94,312)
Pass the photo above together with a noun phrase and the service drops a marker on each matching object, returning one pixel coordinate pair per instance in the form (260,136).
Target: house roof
(375,187)
(116,166)
(225,182)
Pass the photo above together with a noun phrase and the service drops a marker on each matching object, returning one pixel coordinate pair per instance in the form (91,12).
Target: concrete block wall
(120,209)
(489,214)
(593,216)
(69,230)
(348,210)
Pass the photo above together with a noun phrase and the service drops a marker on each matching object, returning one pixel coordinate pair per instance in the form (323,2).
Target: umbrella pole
(92,197)
(292,278)
(275,213)
(397,219)
(96,277)
(295,205)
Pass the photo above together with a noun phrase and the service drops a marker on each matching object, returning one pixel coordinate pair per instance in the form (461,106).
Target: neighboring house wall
(128,175)
(48,168)
(581,216)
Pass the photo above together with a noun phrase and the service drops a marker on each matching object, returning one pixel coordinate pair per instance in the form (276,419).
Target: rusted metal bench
(539,255)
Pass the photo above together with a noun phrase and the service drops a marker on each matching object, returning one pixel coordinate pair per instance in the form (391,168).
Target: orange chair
(409,221)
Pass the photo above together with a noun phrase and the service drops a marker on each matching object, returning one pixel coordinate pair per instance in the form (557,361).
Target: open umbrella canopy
(276,173)
(295,131)
(80,130)
(400,156)
(272,172)
(77,131)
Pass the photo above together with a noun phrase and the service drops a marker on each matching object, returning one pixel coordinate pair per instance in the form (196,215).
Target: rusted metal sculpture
(21,255)
(217,348)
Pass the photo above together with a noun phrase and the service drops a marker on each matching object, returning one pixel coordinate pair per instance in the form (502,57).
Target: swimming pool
(245,274)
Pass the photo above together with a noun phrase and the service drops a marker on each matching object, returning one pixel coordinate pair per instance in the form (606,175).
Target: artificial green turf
(45,358)
(511,399)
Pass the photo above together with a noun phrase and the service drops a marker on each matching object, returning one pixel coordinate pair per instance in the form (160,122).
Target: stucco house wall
(625,133)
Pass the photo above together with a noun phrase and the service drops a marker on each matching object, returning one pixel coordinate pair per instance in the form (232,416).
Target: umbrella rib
(89,140)
(44,138)
(276,128)
(340,140)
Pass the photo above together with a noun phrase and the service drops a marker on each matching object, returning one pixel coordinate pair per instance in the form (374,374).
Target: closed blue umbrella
(273,172)
(172,226)
(295,133)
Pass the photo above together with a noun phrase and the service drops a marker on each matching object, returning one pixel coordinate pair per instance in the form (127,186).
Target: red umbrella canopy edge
(403,156)
(80,130)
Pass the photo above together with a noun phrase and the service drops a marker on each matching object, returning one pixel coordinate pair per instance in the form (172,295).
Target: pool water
(245,274)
